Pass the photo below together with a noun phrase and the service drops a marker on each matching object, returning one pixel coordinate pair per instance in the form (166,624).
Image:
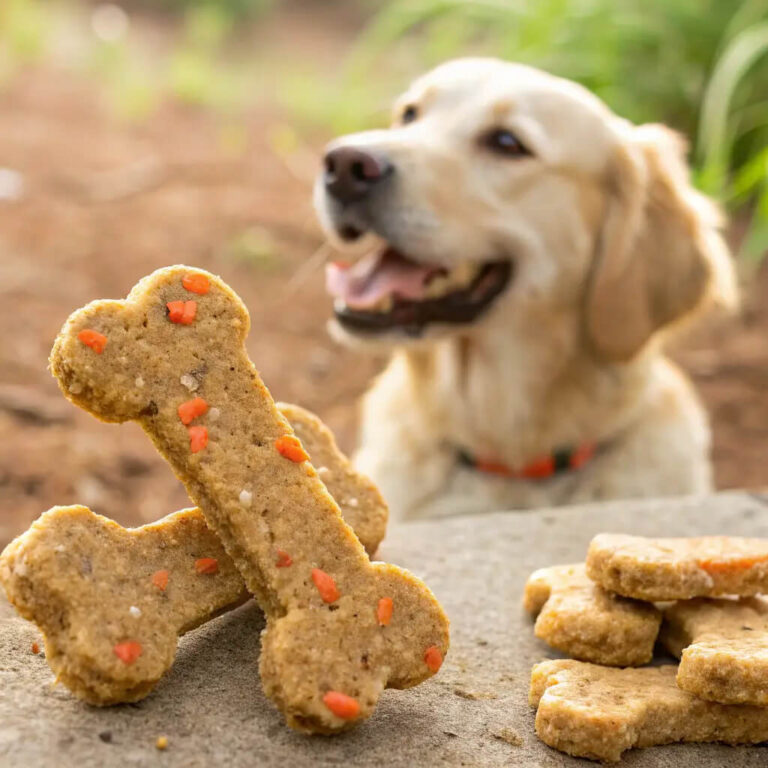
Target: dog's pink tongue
(374,277)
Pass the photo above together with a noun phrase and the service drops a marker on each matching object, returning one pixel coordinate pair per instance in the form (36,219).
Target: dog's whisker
(304,272)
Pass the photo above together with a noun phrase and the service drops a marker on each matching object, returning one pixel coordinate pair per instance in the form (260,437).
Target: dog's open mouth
(386,290)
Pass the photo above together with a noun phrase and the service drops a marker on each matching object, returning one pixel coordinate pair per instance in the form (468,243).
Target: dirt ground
(105,203)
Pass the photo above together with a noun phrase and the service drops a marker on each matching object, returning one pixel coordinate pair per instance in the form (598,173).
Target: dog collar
(563,460)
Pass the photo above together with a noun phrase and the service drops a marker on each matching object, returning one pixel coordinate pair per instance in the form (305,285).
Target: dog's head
(502,194)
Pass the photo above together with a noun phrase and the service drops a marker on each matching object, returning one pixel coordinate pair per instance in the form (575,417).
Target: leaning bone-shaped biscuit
(576,616)
(586,710)
(86,581)
(658,570)
(339,628)
(722,646)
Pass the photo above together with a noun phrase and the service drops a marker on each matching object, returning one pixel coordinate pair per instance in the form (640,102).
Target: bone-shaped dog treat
(678,569)
(112,602)
(598,712)
(723,648)
(581,619)
(86,581)
(339,628)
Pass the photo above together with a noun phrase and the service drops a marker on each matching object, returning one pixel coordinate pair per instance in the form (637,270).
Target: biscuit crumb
(508,735)
(35,648)
(214,414)
(139,382)
(246,497)
(474,695)
(190,382)
(106,737)
(353,502)
(134,611)
(75,388)
(162,742)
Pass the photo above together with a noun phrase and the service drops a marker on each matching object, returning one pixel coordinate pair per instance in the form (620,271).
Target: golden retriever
(522,251)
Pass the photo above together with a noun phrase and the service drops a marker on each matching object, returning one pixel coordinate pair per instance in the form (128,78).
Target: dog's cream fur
(611,247)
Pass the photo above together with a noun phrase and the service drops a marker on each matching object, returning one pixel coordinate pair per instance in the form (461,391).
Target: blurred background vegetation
(698,65)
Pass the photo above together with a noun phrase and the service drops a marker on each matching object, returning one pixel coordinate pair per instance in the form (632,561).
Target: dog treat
(678,569)
(579,618)
(86,581)
(722,646)
(598,712)
(112,602)
(326,656)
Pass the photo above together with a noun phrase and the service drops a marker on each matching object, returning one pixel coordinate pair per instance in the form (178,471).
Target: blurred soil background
(151,133)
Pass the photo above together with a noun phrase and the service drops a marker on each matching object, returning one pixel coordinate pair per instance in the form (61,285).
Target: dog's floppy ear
(659,254)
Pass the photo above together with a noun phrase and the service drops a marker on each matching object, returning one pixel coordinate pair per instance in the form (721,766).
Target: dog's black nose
(351,173)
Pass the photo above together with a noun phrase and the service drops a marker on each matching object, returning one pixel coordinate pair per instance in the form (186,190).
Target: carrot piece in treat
(207,565)
(433,658)
(128,651)
(384,611)
(93,339)
(198,438)
(730,566)
(160,579)
(341,705)
(290,447)
(182,312)
(196,283)
(191,409)
(326,586)
(283,559)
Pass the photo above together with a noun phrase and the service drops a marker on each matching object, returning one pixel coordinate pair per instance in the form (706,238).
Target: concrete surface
(213,712)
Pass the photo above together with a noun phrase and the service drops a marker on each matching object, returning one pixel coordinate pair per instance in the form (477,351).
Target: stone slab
(213,712)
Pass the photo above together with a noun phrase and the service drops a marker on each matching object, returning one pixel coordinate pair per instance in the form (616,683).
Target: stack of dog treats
(700,597)
(111,602)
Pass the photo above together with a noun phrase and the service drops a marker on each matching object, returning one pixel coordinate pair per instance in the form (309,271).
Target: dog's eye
(410,113)
(504,142)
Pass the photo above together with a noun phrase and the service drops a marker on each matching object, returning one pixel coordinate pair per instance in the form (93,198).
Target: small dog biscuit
(339,628)
(678,569)
(579,618)
(86,581)
(722,646)
(598,712)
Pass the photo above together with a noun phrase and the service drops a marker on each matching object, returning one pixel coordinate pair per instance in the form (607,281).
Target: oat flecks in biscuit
(42,574)
(678,569)
(309,647)
(579,618)
(112,602)
(598,712)
(722,646)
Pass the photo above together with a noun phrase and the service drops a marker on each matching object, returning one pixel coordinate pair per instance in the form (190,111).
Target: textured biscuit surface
(678,569)
(599,712)
(579,618)
(88,583)
(722,646)
(326,653)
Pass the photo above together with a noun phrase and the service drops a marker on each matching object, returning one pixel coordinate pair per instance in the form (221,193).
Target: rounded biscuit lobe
(291,511)
(579,618)
(597,712)
(723,648)
(659,570)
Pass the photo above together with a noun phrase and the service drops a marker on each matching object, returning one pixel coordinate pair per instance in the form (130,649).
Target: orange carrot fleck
(128,651)
(341,705)
(433,658)
(196,283)
(731,566)
(35,648)
(384,611)
(160,579)
(182,312)
(290,447)
(93,339)
(207,565)
(326,586)
(190,410)
(198,438)
(283,559)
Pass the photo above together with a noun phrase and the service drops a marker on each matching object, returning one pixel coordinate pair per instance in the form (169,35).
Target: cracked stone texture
(474,713)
